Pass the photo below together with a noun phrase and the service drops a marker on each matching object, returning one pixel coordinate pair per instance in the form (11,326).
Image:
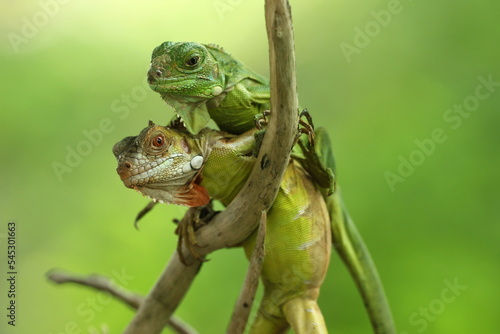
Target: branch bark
(245,300)
(241,217)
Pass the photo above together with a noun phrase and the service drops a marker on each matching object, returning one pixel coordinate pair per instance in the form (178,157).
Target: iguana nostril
(125,171)
(153,75)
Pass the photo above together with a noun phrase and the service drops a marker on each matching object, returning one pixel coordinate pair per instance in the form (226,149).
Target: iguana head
(163,164)
(186,75)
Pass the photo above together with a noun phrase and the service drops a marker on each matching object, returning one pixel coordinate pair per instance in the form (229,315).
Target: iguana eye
(158,141)
(192,61)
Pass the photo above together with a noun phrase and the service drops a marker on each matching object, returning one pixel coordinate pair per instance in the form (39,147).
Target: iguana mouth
(180,188)
(158,78)
(133,173)
(179,88)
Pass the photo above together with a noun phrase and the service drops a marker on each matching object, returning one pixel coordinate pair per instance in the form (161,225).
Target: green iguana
(174,166)
(203,82)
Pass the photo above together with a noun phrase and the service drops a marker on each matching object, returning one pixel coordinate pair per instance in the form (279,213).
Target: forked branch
(241,217)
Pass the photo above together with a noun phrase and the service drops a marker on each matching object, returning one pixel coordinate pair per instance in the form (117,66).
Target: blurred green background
(380,75)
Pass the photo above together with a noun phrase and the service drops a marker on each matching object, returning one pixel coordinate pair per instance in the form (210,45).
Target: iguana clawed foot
(262,119)
(176,123)
(313,151)
(194,218)
(306,127)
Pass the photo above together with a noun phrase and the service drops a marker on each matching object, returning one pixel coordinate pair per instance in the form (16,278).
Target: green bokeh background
(440,224)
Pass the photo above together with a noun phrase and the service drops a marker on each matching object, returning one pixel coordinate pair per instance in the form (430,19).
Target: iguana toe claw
(261,119)
(306,127)
(305,113)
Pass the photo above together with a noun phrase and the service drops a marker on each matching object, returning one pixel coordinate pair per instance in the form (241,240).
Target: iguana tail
(350,246)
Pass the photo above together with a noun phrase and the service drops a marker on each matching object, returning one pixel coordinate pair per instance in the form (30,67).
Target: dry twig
(245,300)
(102,283)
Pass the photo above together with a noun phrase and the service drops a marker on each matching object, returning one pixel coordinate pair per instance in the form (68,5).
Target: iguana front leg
(315,154)
(194,218)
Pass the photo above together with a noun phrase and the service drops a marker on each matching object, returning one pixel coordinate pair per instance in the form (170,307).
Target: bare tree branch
(245,300)
(102,283)
(241,217)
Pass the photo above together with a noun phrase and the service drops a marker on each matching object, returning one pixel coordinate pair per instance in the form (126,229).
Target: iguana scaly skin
(147,173)
(202,82)
(298,238)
